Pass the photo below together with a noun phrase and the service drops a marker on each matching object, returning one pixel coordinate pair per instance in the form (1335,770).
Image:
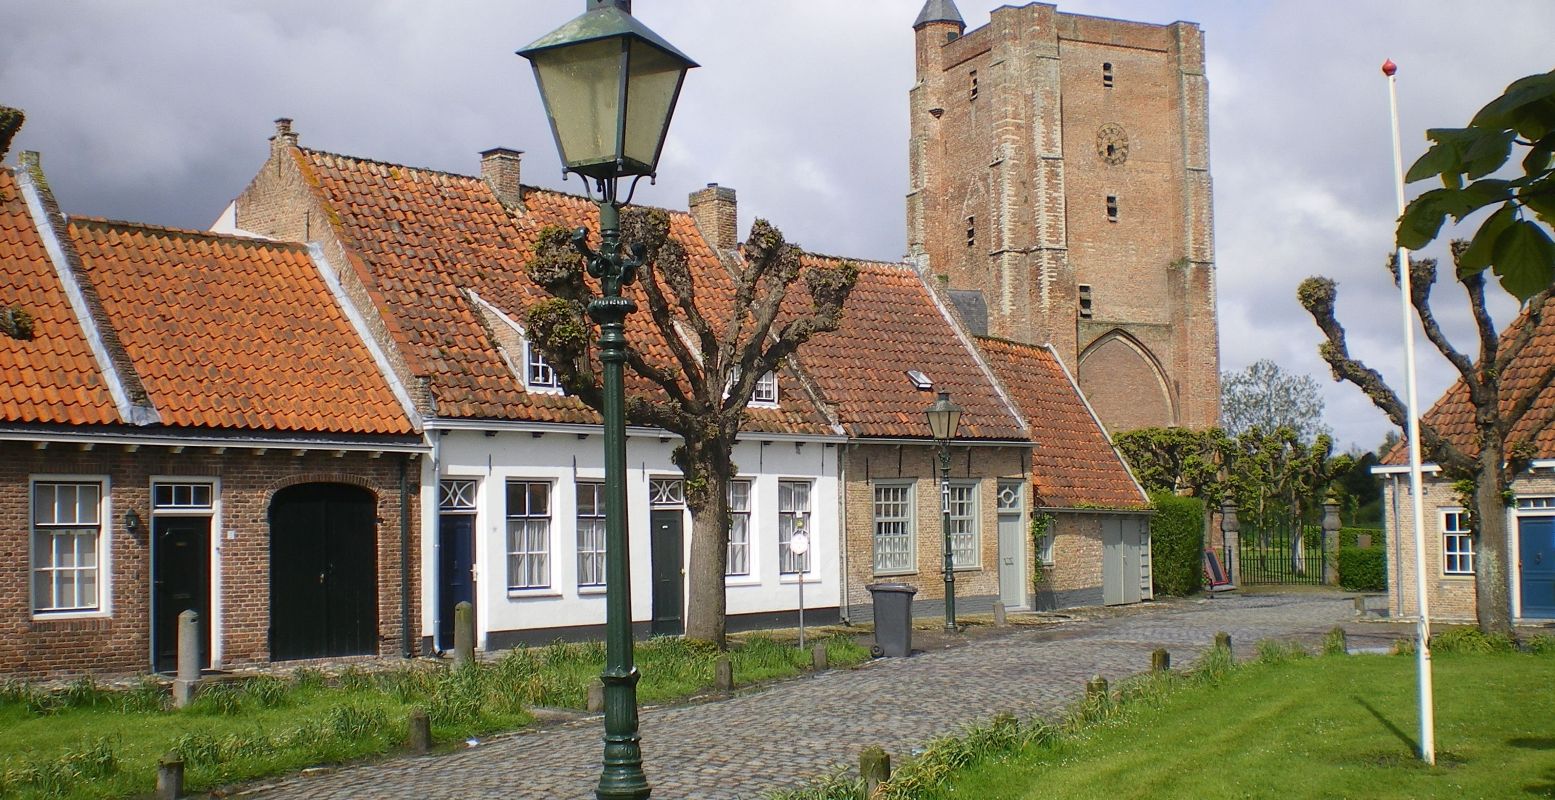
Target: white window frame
(590,538)
(519,560)
(102,566)
(790,518)
(971,521)
(765,393)
(739,530)
(908,520)
(1457,543)
(539,375)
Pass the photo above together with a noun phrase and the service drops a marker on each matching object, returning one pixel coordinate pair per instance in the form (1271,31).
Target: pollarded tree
(1267,397)
(1177,460)
(703,395)
(1482,469)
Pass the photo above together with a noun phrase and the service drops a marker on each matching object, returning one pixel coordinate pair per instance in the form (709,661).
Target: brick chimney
(284,135)
(500,169)
(714,209)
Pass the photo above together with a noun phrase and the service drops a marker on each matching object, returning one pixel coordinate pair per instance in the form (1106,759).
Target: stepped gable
(893,324)
(228,332)
(53,376)
(1073,464)
(1532,373)
(427,237)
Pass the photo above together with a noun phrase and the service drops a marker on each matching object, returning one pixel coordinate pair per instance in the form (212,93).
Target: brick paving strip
(785,734)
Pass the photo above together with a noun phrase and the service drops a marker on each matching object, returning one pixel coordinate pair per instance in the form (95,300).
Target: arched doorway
(323,572)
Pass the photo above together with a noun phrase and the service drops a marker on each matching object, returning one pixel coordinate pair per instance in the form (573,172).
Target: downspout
(405,645)
(842,537)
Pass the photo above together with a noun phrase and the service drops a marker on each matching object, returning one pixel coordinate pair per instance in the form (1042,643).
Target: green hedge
(1349,537)
(1362,570)
(1177,544)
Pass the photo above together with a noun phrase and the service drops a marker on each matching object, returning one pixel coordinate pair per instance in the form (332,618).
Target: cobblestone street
(780,736)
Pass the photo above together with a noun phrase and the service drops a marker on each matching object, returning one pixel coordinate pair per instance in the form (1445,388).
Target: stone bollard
(464,634)
(187,681)
(170,777)
(1096,687)
(874,768)
(597,697)
(819,660)
(1223,641)
(1000,617)
(1160,661)
(420,731)
(723,675)
(1331,526)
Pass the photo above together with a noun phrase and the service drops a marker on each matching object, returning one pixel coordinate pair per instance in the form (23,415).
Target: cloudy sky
(159,111)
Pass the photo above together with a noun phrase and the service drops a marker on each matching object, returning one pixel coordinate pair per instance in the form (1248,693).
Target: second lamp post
(944,420)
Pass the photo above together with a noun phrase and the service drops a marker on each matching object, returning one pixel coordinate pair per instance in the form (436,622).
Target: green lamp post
(609,85)
(944,420)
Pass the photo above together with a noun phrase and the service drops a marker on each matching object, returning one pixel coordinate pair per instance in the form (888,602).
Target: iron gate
(1288,553)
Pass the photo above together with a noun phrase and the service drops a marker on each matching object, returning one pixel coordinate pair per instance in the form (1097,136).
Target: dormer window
(766,390)
(538,373)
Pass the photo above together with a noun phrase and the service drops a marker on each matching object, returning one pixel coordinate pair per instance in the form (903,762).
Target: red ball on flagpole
(1388,68)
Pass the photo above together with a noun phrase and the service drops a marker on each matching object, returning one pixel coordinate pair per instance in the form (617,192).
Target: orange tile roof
(1073,464)
(234,333)
(892,324)
(425,237)
(1453,415)
(52,377)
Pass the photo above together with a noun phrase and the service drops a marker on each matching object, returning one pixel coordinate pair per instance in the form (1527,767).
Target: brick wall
(119,643)
(1075,576)
(977,588)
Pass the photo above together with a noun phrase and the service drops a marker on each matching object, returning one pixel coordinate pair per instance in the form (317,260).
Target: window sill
(69,616)
(1458,576)
(525,594)
(793,579)
(742,580)
(975,568)
(587,591)
(894,574)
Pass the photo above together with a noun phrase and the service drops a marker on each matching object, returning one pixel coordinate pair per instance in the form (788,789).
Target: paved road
(778,737)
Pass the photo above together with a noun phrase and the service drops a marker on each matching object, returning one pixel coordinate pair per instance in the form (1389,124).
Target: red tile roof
(52,377)
(425,237)
(233,333)
(893,323)
(1073,464)
(1529,374)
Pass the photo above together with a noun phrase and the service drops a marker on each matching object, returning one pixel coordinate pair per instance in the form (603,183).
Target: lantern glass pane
(581,87)
(652,85)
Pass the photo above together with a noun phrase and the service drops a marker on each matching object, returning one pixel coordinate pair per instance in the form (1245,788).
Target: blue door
(1536,557)
(455,572)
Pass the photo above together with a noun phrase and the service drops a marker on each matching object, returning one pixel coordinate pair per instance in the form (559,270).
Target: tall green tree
(701,397)
(1177,460)
(1265,396)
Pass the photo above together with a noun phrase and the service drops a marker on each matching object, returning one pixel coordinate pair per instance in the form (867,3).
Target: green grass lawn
(1332,727)
(85,742)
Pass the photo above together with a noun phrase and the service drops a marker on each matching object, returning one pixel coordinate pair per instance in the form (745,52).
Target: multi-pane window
(793,516)
(962,501)
(529,534)
(893,528)
(766,389)
(1535,503)
(181,496)
(1457,544)
(66,536)
(739,528)
(537,371)
(591,534)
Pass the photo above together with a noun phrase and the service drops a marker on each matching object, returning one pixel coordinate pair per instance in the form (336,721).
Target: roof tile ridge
(131,400)
(309,151)
(186,233)
(948,312)
(1096,420)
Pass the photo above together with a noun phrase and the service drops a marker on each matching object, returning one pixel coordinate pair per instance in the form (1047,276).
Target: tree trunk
(707,498)
(1492,595)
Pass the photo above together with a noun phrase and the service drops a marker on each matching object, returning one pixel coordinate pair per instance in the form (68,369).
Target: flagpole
(1423,635)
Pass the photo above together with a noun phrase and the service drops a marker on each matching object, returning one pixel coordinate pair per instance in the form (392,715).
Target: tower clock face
(1112,143)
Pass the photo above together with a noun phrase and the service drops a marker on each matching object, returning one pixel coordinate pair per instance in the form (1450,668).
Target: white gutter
(185,440)
(521,426)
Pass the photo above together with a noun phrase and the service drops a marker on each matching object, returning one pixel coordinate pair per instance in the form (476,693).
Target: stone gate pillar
(1331,542)
(1230,533)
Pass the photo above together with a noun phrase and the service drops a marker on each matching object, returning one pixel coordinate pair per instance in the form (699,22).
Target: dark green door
(1536,563)
(668,573)
(323,572)
(180,581)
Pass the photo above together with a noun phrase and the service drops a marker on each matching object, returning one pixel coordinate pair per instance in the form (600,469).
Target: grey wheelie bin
(893,618)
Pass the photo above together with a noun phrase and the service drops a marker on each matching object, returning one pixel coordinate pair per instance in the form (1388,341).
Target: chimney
(500,169)
(284,135)
(713,209)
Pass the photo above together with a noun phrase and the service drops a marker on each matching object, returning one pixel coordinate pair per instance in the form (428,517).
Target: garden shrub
(1469,639)
(1350,537)
(1176,544)
(1362,570)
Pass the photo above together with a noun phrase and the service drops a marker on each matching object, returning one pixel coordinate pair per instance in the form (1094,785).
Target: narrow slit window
(1112,208)
(971,231)
(1085,301)
(1106,74)
(972,89)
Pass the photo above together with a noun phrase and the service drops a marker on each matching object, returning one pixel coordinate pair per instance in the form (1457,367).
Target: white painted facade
(560,457)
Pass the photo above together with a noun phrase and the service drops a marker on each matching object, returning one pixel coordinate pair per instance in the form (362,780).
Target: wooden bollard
(1096,687)
(1160,661)
(1223,641)
(170,778)
(723,675)
(597,697)
(819,661)
(420,731)
(874,768)
(464,635)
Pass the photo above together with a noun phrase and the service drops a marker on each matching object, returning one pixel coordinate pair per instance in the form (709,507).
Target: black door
(455,572)
(323,572)
(667,577)
(180,581)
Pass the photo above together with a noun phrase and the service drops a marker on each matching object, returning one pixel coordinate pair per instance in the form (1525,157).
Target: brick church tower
(1060,185)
